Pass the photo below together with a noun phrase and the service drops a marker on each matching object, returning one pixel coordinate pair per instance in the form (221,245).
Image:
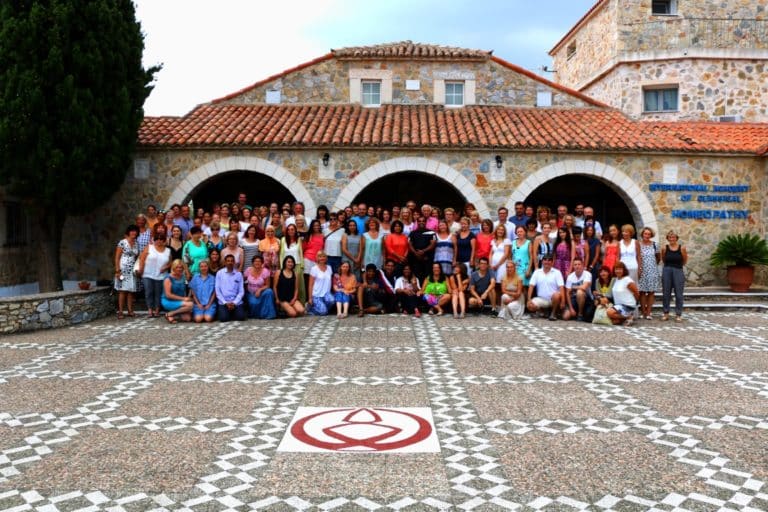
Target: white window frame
(452,84)
(659,89)
(369,94)
(672,8)
(358,75)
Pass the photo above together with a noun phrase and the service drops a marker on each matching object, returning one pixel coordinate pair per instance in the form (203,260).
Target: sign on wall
(706,202)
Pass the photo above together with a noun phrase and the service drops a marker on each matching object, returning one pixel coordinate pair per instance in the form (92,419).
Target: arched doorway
(419,165)
(589,173)
(398,188)
(573,189)
(186,187)
(259,188)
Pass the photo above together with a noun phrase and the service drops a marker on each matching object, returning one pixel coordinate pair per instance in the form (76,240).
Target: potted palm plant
(740,254)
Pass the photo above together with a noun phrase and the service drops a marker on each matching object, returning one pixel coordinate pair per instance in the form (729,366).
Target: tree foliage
(72,87)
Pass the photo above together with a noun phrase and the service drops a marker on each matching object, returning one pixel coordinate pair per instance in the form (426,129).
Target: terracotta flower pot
(84,285)
(740,277)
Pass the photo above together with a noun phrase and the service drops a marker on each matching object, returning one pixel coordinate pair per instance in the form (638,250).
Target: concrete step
(722,298)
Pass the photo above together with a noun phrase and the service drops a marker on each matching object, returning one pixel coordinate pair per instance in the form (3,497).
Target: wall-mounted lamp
(499,161)
(326,159)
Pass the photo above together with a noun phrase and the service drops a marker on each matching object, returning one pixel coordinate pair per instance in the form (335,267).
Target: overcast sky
(211,48)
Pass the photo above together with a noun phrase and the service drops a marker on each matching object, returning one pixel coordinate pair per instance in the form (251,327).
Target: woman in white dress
(501,248)
(629,251)
(512,298)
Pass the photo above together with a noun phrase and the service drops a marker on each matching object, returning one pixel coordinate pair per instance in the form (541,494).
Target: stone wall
(58,309)
(89,244)
(328,82)
(707,88)
(595,48)
(639,11)
(716,51)
(19,265)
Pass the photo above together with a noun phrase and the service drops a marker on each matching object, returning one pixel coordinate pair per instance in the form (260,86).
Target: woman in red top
(313,243)
(611,245)
(396,247)
(483,241)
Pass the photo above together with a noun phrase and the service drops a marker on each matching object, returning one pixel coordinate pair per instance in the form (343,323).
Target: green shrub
(740,250)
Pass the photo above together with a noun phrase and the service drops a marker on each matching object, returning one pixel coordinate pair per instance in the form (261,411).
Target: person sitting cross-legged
(370,292)
(482,286)
(548,284)
(230,291)
(577,291)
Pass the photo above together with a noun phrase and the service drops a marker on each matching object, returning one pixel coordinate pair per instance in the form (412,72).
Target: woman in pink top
(258,282)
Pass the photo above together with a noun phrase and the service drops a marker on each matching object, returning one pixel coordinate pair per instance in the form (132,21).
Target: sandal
(678,319)
(120,315)
(170,318)
(665,317)
(132,314)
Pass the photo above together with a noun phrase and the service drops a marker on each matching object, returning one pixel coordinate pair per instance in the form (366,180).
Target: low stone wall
(57,309)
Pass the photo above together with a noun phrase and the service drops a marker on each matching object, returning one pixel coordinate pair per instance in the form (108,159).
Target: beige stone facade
(715,53)
(328,81)
(708,88)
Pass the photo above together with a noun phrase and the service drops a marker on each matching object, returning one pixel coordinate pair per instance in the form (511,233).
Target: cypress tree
(72,87)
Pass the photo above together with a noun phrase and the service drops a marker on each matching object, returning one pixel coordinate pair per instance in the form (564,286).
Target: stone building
(670,59)
(443,125)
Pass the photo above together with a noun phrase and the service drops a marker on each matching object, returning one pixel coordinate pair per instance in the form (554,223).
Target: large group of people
(235,261)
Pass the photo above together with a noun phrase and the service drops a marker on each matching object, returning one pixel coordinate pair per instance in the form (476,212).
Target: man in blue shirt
(520,218)
(184,222)
(361,218)
(230,291)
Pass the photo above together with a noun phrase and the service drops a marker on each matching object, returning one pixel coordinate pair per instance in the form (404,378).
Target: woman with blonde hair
(629,251)
(512,298)
(174,299)
(233,248)
(648,280)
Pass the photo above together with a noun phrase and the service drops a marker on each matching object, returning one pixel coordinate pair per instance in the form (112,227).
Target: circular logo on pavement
(364,429)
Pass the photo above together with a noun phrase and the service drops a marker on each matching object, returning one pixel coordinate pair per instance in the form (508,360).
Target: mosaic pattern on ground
(533,415)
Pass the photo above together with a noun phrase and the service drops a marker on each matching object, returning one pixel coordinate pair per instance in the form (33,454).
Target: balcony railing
(680,33)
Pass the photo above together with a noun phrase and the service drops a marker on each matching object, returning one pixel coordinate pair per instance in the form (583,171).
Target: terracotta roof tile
(434,126)
(410,50)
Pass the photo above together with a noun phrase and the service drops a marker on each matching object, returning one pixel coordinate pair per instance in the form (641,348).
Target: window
(543,98)
(16,232)
(371,93)
(570,51)
(454,94)
(664,7)
(660,100)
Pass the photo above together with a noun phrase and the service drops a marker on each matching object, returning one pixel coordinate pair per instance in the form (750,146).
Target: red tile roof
(410,50)
(437,127)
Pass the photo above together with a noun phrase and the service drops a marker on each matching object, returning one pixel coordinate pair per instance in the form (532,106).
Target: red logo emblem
(362,429)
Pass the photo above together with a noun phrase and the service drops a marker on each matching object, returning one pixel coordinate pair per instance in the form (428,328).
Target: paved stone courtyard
(533,415)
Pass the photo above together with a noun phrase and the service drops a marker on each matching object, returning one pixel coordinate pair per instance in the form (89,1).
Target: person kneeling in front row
(230,291)
(578,292)
(549,287)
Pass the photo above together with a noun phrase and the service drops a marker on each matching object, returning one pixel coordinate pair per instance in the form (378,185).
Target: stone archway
(194,179)
(637,202)
(418,164)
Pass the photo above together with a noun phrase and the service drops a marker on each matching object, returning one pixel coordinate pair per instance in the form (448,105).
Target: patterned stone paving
(531,415)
